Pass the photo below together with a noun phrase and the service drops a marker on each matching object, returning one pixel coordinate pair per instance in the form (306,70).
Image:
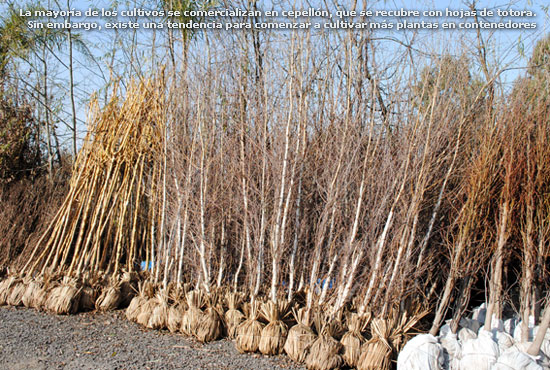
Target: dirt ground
(35,340)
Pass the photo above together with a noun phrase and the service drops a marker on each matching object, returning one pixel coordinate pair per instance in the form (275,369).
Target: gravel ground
(35,340)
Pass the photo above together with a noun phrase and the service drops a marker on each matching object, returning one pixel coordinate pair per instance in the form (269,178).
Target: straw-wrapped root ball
(274,334)
(128,285)
(353,339)
(300,337)
(233,317)
(31,292)
(375,355)
(159,315)
(377,352)
(324,353)
(63,299)
(17,291)
(190,320)
(177,309)
(146,310)
(134,308)
(110,297)
(88,297)
(175,316)
(145,292)
(40,294)
(249,332)
(192,317)
(210,326)
(5,289)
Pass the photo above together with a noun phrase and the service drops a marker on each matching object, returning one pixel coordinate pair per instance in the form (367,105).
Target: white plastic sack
(524,347)
(480,353)
(505,341)
(452,351)
(465,334)
(422,352)
(512,360)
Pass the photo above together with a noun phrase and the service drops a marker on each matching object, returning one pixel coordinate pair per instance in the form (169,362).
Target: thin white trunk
(347,289)
(528,269)
(163,244)
(495,294)
(295,243)
(222,257)
(378,261)
(244,189)
(278,235)
(263,186)
(380,245)
(202,200)
(435,211)
(153,266)
(396,265)
(179,252)
(449,285)
(71,83)
(239,267)
(353,234)
(183,241)
(411,241)
(328,277)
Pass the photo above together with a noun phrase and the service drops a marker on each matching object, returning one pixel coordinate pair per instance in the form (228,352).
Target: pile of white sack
(475,348)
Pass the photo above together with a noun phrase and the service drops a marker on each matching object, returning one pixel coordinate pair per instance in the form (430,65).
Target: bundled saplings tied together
(87,257)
